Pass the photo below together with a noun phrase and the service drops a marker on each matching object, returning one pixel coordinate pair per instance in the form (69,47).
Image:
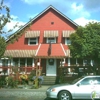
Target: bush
(11,82)
(2,81)
(32,74)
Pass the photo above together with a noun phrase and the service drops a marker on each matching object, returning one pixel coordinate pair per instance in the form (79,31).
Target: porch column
(91,62)
(19,64)
(9,69)
(33,64)
(69,64)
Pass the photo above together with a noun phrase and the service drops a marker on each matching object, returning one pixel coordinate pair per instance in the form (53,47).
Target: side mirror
(78,84)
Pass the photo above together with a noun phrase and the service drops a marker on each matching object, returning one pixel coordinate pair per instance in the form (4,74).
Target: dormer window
(51,36)
(67,41)
(51,40)
(32,41)
(66,35)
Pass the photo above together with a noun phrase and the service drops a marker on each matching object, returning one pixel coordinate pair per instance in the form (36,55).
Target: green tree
(2,46)
(4,19)
(85,43)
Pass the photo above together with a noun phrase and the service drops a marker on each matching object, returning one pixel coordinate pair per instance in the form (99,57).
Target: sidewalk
(43,87)
(24,92)
(28,87)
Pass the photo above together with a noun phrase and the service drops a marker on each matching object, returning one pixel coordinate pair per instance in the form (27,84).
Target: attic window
(52,23)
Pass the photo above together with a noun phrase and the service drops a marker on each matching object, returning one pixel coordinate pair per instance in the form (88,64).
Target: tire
(64,95)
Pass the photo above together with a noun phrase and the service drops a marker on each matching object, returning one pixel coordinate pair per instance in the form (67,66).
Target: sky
(80,11)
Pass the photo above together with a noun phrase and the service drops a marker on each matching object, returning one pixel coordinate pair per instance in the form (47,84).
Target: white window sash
(29,40)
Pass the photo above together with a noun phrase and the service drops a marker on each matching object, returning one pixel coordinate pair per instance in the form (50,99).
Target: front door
(51,67)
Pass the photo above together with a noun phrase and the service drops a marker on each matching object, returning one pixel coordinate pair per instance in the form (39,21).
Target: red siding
(44,23)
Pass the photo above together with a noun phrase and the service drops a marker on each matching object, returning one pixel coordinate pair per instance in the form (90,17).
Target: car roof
(92,76)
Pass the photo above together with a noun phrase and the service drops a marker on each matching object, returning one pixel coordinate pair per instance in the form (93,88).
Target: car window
(90,81)
(76,80)
(98,80)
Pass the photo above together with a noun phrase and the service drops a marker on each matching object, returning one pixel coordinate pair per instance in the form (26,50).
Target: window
(29,62)
(91,81)
(5,64)
(51,40)
(67,41)
(15,62)
(32,41)
(73,62)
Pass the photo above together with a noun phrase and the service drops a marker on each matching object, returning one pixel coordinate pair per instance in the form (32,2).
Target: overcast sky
(80,11)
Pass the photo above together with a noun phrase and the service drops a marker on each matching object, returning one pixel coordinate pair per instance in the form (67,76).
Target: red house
(41,43)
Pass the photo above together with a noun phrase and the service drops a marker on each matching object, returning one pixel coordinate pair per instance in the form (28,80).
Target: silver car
(86,87)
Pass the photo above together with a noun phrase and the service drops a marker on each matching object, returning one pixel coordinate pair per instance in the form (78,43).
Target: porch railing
(6,69)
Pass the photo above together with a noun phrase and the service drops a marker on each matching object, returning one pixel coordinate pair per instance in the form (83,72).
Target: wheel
(64,95)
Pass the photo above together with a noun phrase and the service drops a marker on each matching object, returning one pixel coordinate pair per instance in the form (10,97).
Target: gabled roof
(49,7)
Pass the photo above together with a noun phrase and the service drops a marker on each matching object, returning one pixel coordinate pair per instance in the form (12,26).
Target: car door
(96,88)
(84,88)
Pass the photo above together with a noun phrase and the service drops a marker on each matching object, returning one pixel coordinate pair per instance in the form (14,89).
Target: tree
(2,46)
(85,43)
(4,19)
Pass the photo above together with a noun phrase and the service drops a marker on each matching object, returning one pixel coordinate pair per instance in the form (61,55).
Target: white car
(86,87)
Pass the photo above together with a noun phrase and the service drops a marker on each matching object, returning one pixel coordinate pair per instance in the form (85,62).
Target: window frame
(67,41)
(29,41)
(52,39)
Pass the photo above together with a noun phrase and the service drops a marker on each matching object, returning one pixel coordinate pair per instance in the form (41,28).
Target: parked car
(86,87)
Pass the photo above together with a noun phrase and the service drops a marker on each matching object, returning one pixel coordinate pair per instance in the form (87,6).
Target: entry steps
(49,80)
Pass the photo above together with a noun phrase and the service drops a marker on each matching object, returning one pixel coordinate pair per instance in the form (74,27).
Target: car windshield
(76,80)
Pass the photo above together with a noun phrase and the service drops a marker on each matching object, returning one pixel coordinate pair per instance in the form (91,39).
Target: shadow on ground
(50,99)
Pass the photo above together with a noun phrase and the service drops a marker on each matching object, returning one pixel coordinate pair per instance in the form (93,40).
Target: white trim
(69,70)
(63,49)
(38,49)
(91,62)
(68,61)
(33,64)
(50,74)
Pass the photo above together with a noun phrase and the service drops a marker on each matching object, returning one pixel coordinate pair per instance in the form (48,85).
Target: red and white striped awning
(67,33)
(32,34)
(20,53)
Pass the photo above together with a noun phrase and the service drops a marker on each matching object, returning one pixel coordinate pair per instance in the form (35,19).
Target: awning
(51,51)
(67,53)
(67,33)
(50,34)
(32,34)
(20,53)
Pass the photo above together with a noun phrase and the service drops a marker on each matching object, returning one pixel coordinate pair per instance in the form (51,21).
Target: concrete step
(49,80)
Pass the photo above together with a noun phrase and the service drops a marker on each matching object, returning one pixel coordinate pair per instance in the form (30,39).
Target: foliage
(32,74)
(2,46)
(2,81)
(11,82)
(4,16)
(85,43)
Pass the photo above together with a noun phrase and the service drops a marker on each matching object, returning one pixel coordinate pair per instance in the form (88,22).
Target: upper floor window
(67,41)
(51,40)
(32,41)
